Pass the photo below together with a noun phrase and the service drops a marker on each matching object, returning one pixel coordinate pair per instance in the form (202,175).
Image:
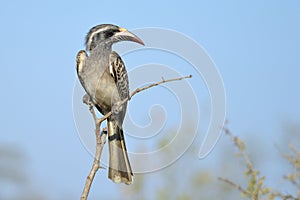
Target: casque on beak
(125,35)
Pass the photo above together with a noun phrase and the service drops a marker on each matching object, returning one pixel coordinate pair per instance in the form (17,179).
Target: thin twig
(101,138)
(138,90)
(234,185)
(240,145)
(283,196)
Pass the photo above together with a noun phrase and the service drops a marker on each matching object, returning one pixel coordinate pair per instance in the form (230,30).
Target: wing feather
(119,73)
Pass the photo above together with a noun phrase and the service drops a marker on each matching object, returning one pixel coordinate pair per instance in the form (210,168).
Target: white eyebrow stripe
(93,34)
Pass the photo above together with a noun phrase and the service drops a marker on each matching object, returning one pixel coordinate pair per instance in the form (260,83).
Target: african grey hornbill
(103,75)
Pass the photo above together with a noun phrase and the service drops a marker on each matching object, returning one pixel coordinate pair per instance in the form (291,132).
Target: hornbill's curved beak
(125,35)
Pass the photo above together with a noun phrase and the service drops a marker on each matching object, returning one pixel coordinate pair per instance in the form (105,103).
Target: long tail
(119,165)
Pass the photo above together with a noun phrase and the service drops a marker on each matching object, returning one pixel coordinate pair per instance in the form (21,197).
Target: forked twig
(101,137)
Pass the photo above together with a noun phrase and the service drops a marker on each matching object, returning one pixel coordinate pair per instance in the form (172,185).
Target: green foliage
(256,188)
(190,178)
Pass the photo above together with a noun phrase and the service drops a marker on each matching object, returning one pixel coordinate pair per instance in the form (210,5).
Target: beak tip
(142,43)
(138,40)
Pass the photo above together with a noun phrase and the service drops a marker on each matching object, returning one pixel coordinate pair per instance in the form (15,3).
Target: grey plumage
(103,75)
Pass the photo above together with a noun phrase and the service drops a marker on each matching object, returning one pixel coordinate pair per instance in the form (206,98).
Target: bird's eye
(109,34)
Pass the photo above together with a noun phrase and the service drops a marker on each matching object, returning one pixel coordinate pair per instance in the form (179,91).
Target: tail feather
(119,165)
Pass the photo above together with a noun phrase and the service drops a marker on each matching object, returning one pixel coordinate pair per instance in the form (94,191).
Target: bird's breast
(106,93)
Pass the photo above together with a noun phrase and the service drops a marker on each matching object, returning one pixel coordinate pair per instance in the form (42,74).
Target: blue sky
(254,44)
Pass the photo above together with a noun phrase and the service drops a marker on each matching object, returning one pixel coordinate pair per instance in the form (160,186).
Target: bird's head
(108,34)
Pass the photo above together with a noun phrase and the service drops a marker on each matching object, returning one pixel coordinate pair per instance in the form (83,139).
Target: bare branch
(245,192)
(101,138)
(138,90)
